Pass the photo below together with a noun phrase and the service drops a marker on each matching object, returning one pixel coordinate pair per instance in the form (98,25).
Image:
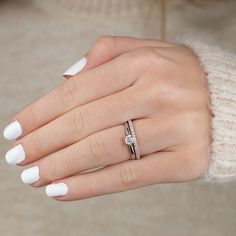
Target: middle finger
(76,125)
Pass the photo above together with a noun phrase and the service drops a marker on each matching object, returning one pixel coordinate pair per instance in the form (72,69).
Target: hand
(73,137)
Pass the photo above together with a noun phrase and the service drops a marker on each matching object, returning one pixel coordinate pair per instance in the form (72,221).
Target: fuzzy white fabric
(220,66)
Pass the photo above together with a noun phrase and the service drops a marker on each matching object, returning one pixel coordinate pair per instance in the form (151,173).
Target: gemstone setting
(129,139)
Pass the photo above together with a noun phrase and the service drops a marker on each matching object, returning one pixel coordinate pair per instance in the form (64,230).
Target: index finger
(88,86)
(108,47)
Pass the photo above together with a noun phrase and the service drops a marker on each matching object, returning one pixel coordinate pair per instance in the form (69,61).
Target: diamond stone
(129,139)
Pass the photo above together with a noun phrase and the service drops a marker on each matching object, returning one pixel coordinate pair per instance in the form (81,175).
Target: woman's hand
(74,136)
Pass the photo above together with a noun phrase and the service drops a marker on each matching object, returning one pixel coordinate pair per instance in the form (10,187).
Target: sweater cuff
(220,67)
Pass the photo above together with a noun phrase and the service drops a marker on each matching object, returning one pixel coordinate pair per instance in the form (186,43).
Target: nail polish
(15,155)
(31,175)
(57,190)
(76,68)
(12,131)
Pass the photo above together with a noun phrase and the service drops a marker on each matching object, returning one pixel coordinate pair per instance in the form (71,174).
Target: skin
(75,133)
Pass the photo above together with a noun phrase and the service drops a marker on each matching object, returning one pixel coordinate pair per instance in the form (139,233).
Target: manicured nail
(56,190)
(76,68)
(12,131)
(15,155)
(31,175)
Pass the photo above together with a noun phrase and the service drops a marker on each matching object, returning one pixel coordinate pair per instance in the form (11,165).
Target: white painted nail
(12,131)
(76,68)
(31,175)
(57,190)
(15,155)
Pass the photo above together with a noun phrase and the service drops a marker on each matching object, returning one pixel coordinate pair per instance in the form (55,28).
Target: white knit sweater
(220,66)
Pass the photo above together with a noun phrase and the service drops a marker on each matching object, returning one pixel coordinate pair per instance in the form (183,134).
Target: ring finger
(103,148)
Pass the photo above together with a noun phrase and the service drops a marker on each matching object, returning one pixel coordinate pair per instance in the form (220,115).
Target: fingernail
(12,131)
(76,68)
(56,190)
(31,175)
(15,155)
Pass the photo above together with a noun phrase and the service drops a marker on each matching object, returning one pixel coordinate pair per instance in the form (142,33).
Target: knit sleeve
(220,67)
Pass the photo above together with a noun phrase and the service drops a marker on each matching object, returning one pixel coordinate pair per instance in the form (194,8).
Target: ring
(131,141)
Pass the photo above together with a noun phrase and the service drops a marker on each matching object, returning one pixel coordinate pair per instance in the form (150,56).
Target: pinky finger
(159,167)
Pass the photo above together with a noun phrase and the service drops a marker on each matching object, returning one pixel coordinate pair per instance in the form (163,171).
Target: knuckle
(37,145)
(159,95)
(105,41)
(67,93)
(128,177)
(144,57)
(33,115)
(49,171)
(170,95)
(148,58)
(79,123)
(99,148)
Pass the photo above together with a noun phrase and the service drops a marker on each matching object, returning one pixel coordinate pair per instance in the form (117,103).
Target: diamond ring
(131,141)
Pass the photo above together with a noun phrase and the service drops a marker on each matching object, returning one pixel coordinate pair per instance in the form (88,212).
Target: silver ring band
(131,141)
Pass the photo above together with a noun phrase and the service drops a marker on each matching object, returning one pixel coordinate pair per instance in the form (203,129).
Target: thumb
(106,48)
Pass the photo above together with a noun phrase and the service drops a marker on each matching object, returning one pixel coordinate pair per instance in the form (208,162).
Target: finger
(106,48)
(73,93)
(103,148)
(160,167)
(79,123)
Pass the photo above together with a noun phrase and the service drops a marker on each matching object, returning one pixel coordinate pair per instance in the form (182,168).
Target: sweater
(220,67)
